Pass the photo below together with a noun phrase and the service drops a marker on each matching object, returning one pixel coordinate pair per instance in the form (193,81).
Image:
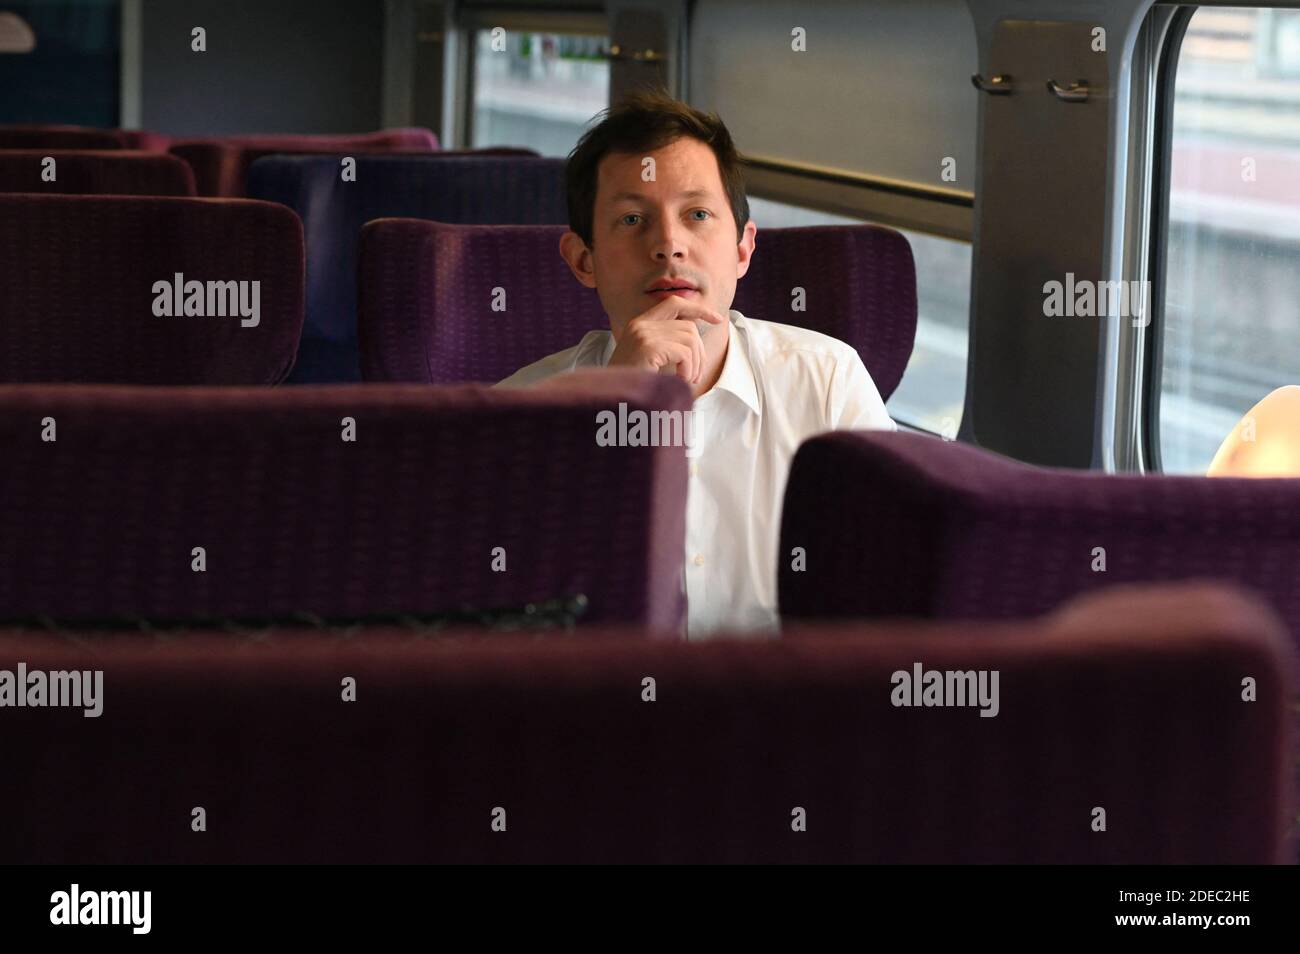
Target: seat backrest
(858,284)
(480,187)
(338,501)
(907,524)
(59,137)
(221,163)
(443,303)
(86,172)
(145,140)
(429,309)
(96,288)
(1125,704)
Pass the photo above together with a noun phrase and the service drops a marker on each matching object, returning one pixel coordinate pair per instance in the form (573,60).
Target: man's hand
(667,335)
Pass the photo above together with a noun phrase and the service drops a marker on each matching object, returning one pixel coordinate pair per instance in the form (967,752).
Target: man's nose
(669,242)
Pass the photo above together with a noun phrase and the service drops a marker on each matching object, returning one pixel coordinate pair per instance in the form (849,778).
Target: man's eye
(630,219)
(701,215)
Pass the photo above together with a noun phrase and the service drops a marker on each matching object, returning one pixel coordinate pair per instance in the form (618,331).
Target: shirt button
(699,559)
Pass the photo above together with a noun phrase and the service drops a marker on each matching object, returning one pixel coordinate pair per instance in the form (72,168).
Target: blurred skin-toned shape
(1267,441)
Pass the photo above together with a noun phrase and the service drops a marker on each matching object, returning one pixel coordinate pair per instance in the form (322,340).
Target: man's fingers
(674,307)
(691,311)
(688,335)
(681,354)
(688,339)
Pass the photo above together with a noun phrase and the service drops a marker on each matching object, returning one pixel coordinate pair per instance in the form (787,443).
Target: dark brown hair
(642,122)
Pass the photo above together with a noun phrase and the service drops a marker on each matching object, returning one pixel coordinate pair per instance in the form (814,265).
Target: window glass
(1232,296)
(537,89)
(933,389)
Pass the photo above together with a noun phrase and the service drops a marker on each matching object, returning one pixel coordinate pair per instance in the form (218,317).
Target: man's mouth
(671,286)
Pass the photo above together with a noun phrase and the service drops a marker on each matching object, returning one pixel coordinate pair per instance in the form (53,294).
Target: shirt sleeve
(855,400)
(587,353)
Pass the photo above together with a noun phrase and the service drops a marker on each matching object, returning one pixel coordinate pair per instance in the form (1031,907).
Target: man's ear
(745,249)
(578,257)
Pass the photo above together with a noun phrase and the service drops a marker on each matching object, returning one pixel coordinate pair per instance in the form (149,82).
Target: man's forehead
(682,173)
(683,194)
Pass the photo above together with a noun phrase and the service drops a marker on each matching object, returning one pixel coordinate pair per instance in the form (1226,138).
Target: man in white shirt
(659,226)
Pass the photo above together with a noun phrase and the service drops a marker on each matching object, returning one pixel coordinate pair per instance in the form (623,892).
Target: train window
(536,89)
(933,389)
(1233,245)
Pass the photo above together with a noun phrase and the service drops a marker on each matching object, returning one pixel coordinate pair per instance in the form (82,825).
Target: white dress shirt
(779,386)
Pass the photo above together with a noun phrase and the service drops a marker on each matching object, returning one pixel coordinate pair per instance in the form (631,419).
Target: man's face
(675,228)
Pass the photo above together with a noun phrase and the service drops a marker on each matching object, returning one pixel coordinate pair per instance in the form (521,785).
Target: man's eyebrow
(639,197)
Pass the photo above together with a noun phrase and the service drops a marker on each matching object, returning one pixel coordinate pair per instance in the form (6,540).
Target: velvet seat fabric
(78,302)
(221,163)
(1126,703)
(340,501)
(489,187)
(907,524)
(89,172)
(53,136)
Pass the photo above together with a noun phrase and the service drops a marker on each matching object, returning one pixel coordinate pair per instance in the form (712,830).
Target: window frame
(1152,364)
(946,213)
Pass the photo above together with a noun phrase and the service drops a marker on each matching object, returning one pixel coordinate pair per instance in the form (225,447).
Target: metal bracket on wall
(617,54)
(1076,92)
(998,85)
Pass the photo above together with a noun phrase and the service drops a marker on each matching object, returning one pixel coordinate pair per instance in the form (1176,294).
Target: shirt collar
(737,370)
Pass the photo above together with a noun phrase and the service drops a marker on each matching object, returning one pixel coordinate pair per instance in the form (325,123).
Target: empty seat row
(139,172)
(128,290)
(46,136)
(482,187)
(90,172)
(221,163)
(64,137)
(898,524)
(1118,739)
(339,501)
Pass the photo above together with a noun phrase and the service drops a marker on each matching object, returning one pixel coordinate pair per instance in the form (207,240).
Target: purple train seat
(336,501)
(88,172)
(221,162)
(488,187)
(1125,701)
(859,284)
(145,140)
(906,524)
(59,137)
(135,290)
